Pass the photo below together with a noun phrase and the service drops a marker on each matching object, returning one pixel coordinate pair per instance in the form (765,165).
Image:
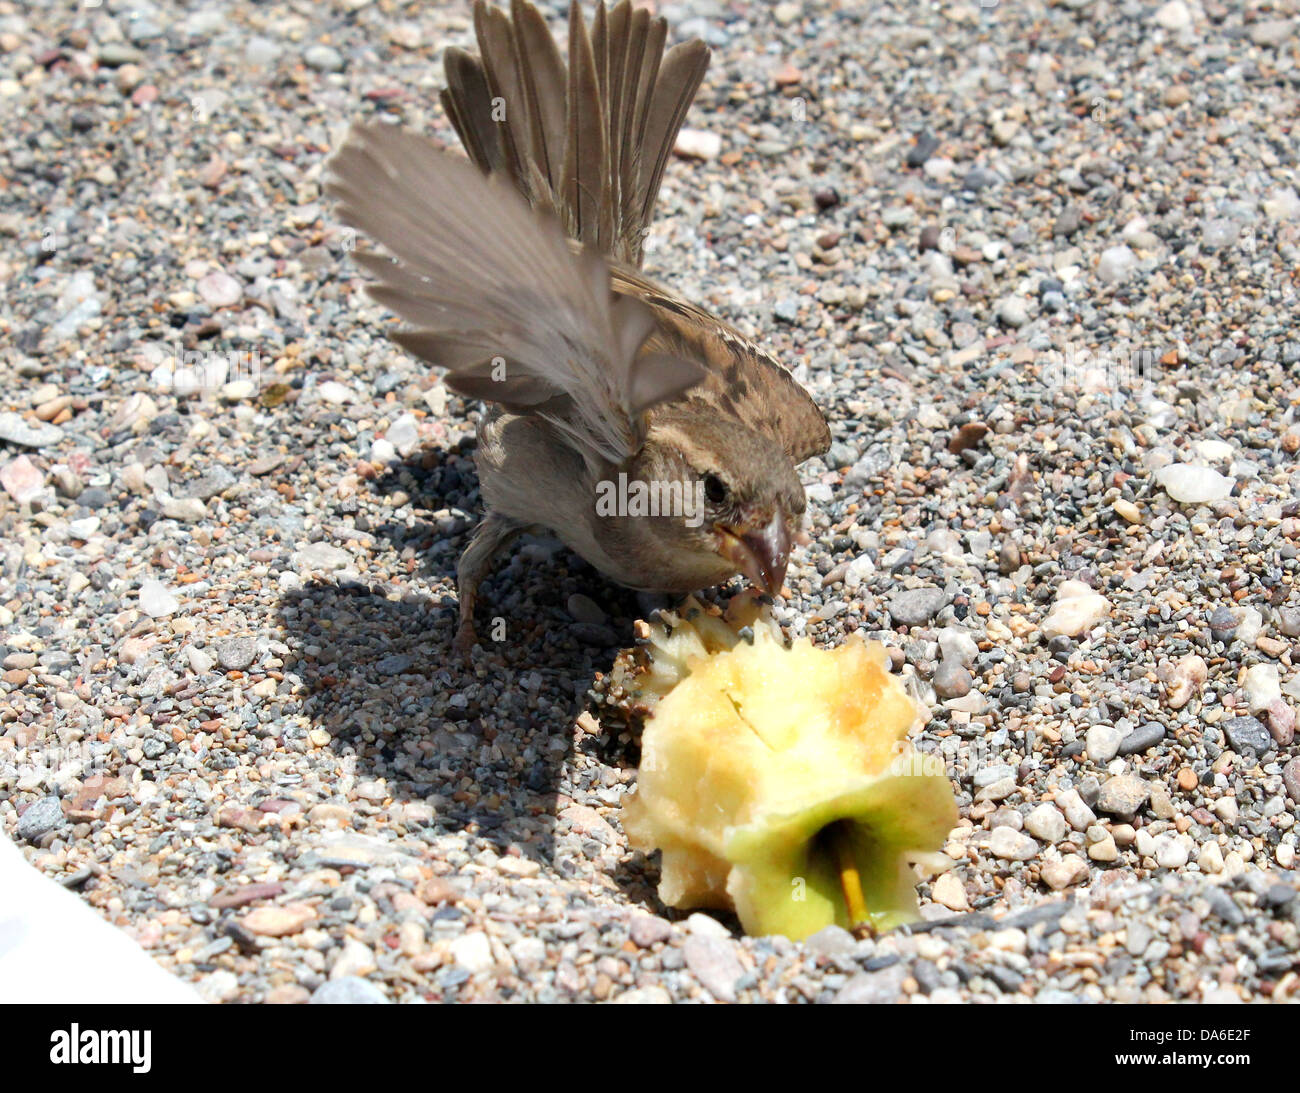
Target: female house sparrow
(519,274)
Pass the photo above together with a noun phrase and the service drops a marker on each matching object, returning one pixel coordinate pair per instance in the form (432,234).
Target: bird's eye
(715,489)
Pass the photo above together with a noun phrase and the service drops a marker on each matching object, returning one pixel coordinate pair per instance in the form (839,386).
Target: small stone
(185,510)
(238,390)
(323,58)
(648,930)
(336,394)
(1077,608)
(1116,264)
(1011,310)
(1071,869)
(1280,718)
(1171,853)
(1046,823)
(644,996)
(1247,735)
(40,818)
(395,665)
(218,289)
(697,144)
(916,606)
(1104,849)
(713,962)
(219,986)
(157,600)
(1187,780)
(948,890)
(1175,15)
(1262,686)
(1186,679)
(355,959)
(873,988)
(14,430)
(237,653)
(957,645)
(1142,738)
(278,920)
(1271,32)
(585,609)
(1210,858)
(1077,813)
(404,435)
(1102,743)
(321,556)
(1123,795)
(1127,511)
(951,680)
(472,951)
(22,480)
(1192,485)
(1010,845)
(348,991)
(831,941)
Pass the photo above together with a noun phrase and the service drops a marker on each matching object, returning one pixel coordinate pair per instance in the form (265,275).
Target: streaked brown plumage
(525,285)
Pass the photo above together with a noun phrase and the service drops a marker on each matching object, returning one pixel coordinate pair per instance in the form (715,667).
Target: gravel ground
(1037,262)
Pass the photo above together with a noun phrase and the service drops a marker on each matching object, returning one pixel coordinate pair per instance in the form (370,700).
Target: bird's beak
(761,555)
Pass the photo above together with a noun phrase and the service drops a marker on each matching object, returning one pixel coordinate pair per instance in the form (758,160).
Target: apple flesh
(756,756)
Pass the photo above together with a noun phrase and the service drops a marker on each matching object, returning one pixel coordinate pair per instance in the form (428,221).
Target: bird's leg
(490,537)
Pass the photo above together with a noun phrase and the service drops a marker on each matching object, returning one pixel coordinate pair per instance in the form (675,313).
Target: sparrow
(518,271)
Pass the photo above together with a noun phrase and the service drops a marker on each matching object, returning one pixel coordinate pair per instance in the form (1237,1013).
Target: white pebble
(1192,485)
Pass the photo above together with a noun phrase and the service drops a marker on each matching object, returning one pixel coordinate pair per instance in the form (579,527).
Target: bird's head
(741,500)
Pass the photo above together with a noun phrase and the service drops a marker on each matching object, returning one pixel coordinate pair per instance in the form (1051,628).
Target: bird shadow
(489,744)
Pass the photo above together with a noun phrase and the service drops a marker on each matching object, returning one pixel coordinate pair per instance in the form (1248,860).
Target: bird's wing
(743,380)
(495,293)
(589,141)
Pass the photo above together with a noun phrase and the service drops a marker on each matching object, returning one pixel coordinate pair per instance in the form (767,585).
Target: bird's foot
(465,640)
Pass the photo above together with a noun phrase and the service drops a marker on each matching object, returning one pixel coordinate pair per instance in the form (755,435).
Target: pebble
(712,960)
(1046,822)
(1193,485)
(14,430)
(40,818)
(278,921)
(1077,608)
(1102,743)
(697,144)
(22,480)
(1262,687)
(321,556)
(157,600)
(1116,264)
(951,679)
(1069,870)
(236,653)
(1077,813)
(218,289)
(1011,845)
(1123,795)
(916,606)
(1174,15)
(1143,738)
(1247,736)
(348,991)
(323,58)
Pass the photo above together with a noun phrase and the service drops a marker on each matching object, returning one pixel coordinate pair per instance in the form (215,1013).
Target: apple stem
(850,881)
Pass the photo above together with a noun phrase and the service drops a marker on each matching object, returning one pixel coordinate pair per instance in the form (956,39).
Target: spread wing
(495,293)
